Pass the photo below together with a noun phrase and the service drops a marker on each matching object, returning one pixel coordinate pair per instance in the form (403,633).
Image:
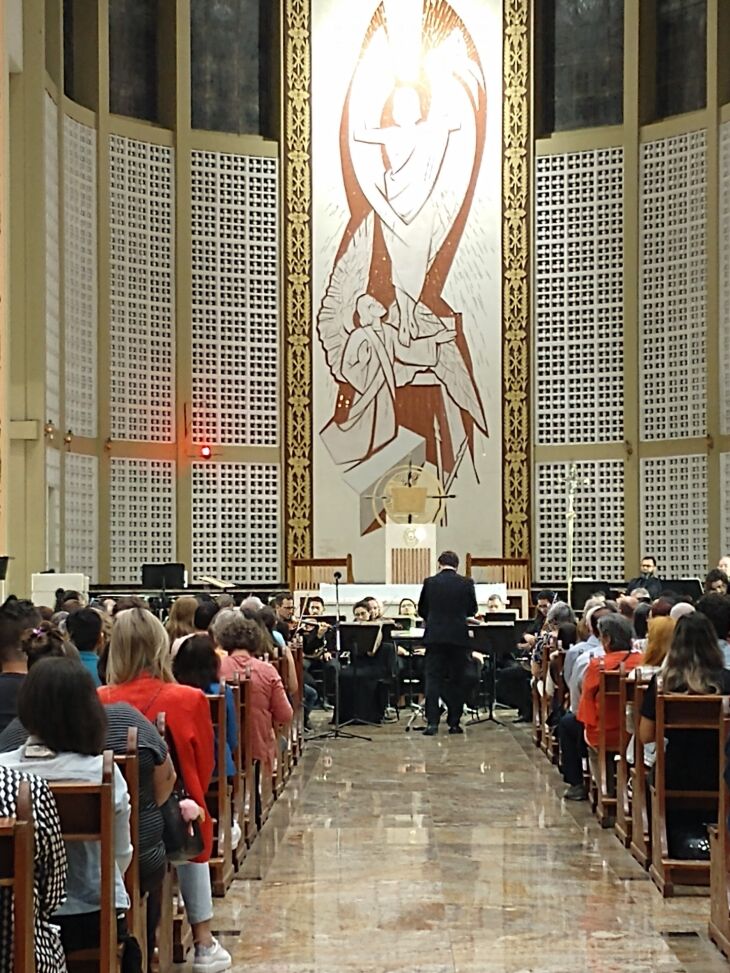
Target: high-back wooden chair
(680,713)
(245,797)
(87,814)
(512,571)
(137,912)
(640,844)
(218,800)
(16,874)
(307,573)
(608,700)
(719,925)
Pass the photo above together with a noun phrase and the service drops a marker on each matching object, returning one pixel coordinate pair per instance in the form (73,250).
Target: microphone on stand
(337,575)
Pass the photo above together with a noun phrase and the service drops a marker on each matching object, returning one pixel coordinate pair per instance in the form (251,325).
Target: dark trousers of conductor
(444,670)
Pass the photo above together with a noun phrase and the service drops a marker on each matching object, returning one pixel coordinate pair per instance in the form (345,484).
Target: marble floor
(449,854)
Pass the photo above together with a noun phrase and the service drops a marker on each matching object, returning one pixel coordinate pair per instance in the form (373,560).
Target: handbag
(183,839)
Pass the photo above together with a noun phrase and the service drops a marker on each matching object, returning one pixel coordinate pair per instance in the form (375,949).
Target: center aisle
(448,855)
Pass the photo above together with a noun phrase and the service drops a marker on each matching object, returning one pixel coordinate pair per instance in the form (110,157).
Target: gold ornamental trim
(297,169)
(297,280)
(516,279)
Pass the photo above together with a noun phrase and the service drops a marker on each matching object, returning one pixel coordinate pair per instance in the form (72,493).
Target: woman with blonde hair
(658,641)
(181,620)
(139,672)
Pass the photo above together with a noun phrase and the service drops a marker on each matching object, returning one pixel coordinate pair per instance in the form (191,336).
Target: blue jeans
(194,881)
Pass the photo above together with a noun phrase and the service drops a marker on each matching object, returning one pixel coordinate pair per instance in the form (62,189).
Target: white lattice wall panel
(236,518)
(674,514)
(235,299)
(725,502)
(598,547)
(725,276)
(579,293)
(53,509)
(141,187)
(673,290)
(80,276)
(142,516)
(53,290)
(81,490)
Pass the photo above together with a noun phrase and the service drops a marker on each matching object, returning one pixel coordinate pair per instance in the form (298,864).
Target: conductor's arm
(472,599)
(423,601)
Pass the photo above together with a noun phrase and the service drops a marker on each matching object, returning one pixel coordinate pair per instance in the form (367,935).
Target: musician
(283,605)
(447,600)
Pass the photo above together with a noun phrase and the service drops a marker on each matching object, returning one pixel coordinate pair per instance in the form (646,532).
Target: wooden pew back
(137,912)
(218,800)
(608,698)
(719,924)
(16,873)
(677,713)
(640,846)
(87,814)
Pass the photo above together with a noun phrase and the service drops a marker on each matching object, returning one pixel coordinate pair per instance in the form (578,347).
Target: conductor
(447,600)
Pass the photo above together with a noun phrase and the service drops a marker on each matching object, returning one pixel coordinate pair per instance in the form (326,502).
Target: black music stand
(164,577)
(493,639)
(337,732)
(410,642)
(359,640)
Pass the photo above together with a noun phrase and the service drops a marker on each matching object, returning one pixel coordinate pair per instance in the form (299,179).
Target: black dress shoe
(431,730)
(455,729)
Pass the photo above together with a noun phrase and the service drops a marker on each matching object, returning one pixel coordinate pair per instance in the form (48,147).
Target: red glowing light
(205,452)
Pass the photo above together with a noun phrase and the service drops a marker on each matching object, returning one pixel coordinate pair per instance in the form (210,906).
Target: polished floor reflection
(448,855)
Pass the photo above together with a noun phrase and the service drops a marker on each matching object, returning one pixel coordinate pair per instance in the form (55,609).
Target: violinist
(283,605)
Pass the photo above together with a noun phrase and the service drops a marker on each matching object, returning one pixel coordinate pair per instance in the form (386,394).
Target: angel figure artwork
(411,141)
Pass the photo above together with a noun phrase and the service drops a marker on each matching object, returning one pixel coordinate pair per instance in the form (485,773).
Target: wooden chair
(307,573)
(16,873)
(680,713)
(548,741)
(622,825)
(245,771)
(719,925)
(608,699)
(298,721)
(137,912)
(640,844)
(218,800)
(87,814)
(512,571)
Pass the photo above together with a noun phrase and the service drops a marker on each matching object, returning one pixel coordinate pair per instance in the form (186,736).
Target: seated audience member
(558,614)
(198,664)
(243,640)
(647,579)
(86,631)
(252,604)
(128,601)
(139,673)
(716,607)
(642,596)
(68,600)
(49,875)
(641,621)
(658,641)
(681,609)
(693,665)
(543,602)
(16,617)
(204,615)
(616,635)
(61,711)
(224,601)
(716,582)
(180,621)
(627,606)
(280,650)
(587,647)
(724,564)
(156,780)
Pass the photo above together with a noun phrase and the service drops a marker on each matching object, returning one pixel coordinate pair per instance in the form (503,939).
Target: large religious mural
(406,123)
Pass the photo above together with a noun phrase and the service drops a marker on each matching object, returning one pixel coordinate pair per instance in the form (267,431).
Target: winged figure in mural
(412,136)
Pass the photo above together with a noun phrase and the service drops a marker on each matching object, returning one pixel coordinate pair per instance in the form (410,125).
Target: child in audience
(138,672)
(49,875)
(59,707)
(85,629)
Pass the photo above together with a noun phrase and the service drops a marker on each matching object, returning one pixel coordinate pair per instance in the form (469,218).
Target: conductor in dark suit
(447,600)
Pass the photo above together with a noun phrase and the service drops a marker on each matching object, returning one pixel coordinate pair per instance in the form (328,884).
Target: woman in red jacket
(139,673)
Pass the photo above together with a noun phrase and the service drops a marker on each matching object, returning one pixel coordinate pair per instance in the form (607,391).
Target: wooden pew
(137,912)
(608,696)
(87,814)
(536,711)
(298,721)
(163,959)
(218,801)
(16,873)
(548,741)
(680,712)
(719,925)
(246,771)
(640,844)
(622,825)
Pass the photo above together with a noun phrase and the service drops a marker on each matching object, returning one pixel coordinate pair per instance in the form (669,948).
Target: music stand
(336,732)
(687,587)
(359,640)
(493,639)
(581,591)
(410,638)
(163,577)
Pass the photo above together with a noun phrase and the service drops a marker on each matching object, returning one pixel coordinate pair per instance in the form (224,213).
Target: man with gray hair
(617,638)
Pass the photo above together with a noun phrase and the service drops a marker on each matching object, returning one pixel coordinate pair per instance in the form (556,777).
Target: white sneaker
(211,959)
(236,834)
